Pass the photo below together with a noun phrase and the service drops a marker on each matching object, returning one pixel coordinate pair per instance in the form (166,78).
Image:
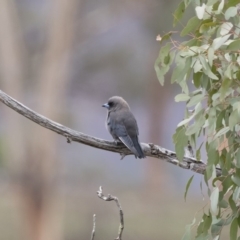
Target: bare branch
(149,149)
(113,198)
(94,227)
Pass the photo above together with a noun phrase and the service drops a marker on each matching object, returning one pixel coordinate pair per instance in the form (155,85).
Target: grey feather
(122,125)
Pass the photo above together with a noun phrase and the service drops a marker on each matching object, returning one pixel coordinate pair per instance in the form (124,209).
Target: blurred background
(64,59)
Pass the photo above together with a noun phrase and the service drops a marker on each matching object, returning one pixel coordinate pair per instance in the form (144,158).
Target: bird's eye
(110,104)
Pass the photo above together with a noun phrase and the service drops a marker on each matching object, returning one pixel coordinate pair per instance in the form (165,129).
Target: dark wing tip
(138,148)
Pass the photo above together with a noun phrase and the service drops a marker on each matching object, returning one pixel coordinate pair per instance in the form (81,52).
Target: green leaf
(210,74)
(234,229)
(215,231)
(192,42)
(208,26)
(192,129)
(221,132)
(196,127)
(187,2)
(225,28)
(200,10)
(163,61)
(203,61)
(160,75)
(236,179)
(197,66)
(178,13)
(187,186)
(180,140)
(203,227)
(228,73)
(225,87)
(231,12)
(181,70)
(185,121)
(220,7)
(165,37)
(198,152)
(197,79)
(164,53)
(214,200)
(187,234)
(235,196)
(195,99)
(192,25)
(231,3)
(212,156)
(232,204)
(237,157)
(218,42)
(234,119)
(234,46)
(223,204)
(181,97)
(210,56)
(227,184)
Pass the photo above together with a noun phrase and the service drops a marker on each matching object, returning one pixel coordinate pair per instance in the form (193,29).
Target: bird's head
(116,103)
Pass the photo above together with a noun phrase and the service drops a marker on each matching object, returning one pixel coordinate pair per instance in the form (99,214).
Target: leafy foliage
(210,61)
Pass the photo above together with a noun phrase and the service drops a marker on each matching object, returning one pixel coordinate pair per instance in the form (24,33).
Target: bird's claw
(118,142)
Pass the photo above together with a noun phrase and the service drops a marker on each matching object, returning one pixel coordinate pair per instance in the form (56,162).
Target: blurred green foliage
(209,62)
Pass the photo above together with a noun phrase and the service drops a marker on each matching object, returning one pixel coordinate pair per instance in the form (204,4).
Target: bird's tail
(138,148)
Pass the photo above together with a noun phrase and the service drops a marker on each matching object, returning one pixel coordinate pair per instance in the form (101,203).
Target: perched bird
(122,125)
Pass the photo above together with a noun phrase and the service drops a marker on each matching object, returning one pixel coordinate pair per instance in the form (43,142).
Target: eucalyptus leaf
(200,10)
(237,157)
(226,28)
(179,13)
(221,132)
(182,97)
(234,119)
(180,140)
(214,200)
(236,179)
(218,42)
(234,229)
(220,7)
(230,12)
(192,25)
(195,99)
(187,234)
(234,45)
(187,186)
(225,87)
(197,66)
(210,56)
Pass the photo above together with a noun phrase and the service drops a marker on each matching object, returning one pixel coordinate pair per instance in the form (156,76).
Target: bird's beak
(105,105)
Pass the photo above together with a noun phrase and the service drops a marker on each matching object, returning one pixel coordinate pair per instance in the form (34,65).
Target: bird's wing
(121,132)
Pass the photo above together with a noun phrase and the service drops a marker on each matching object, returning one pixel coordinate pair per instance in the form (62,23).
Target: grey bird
(122,125)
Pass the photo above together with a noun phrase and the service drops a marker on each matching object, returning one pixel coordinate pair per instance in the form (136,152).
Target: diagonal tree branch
(149,149)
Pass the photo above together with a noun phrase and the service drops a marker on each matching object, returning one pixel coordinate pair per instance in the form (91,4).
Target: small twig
(113,198)
(94,227)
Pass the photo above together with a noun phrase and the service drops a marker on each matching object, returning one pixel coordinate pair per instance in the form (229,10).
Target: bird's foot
(118,142)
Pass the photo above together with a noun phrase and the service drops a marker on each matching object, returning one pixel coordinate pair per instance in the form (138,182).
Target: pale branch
(94,227)
(113,198)
(150,149)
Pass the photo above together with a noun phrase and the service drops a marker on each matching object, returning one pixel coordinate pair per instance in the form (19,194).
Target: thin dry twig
(94,227)
(149,149)
(113,198)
